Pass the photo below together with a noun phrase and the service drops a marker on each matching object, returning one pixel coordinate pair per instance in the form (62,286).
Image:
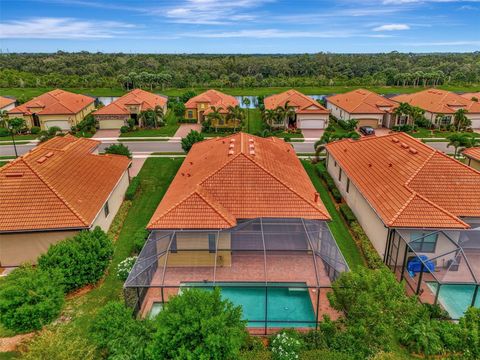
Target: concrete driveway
(312,133)
(184,129)
(107,133)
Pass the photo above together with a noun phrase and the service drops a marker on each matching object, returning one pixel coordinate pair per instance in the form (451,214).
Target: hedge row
(323,173)
(187,121)
(374,261)
(132,188)
(347,213)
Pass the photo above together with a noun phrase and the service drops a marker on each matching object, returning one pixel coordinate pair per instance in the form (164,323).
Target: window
(190,114)
(221,121)
(212,243)
(445,120)
(425,243)
(340,174)
(335,163)
(348,185)
(327,157)
(402,120)
(173,245)
(106,209)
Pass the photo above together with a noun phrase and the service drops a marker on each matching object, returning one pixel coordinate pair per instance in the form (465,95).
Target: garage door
(312,124)
(368,122)
(475,123)
(110,124)
(62,124)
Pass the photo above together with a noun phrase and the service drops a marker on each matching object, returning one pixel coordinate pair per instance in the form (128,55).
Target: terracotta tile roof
(363,101)
(146,100)
(438,101)
(471,95)
(473,153)
(303,104)
(237,177)
(4,101)
(55,102)
(213,98)
(408,183)
(59,184)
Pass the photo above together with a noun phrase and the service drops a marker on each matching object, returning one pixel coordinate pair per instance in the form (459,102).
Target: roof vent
(41,160)
(232,140)
(188,175)
(230,152)
(252,152)
(395,140)
(250,140)
(404,145)
(316,196)
(390,165)
(14,174)
(232,146)
(49,154)
(413,151)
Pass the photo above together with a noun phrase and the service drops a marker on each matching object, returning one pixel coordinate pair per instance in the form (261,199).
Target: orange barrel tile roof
(470,96)
(408,183)
(59,184)
(4,101)
(438,101)
(363,101)
(55,102)
(303,104)
(237,177)
(473,153)
(146,100)
(213,98)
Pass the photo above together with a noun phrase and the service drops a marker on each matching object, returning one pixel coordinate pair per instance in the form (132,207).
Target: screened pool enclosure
(441,267)
(279,270)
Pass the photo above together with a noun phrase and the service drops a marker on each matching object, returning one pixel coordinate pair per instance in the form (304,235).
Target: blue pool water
(292,303)
(455,299)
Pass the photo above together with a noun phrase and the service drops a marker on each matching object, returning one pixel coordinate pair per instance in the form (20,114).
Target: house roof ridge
(215,205)
(400,211)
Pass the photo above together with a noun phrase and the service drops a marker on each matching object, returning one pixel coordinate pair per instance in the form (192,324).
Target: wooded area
(83,69)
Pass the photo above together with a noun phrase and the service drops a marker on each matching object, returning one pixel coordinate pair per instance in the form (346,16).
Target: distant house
(6,104)
(200,106)
(309,114)
(474,96)
(472,157)
(130,105)
(369,108)
(441,105)
(55,190)
(55,108)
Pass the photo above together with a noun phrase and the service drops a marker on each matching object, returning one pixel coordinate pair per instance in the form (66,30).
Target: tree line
(84,69)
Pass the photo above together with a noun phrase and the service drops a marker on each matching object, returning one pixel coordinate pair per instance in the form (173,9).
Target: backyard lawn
(424,133)
(169,129)
(337,226)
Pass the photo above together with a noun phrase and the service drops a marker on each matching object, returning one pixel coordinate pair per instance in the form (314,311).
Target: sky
(239,26)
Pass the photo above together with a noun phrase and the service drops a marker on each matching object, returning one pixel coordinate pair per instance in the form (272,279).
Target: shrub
(421,338)
(88,124)
(117,334)
(198,324)
(321,170)
(118,149)
(470,327)
(4,132)
(348,125)
(287,138)
(139,240)
(132,188)
(374,261)
(34,130)
(336,195)
(192,138)
(314,340)
(82,260)
(30,298)
(124,129)
(347,213)
(285,345)
(324,355)
(125,266)
(187,121)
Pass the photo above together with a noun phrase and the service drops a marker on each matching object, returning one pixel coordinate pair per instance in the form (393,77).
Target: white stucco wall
(313,121)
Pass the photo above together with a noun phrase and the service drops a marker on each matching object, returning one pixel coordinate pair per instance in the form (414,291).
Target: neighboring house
(441,105)
(54,191)
(397,182)
(369,108)
(472,157)
(201,105)
(130,105)
(309,114)
(55,108)
(474,96)
(241,213)
(6,104)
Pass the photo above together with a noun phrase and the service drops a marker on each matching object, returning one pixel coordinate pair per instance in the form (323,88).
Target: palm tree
(159,115)
(3,118)
(215,116)
(270,116)
(235,114)
(246,103)
(404,109)
(461,141)
(461,121)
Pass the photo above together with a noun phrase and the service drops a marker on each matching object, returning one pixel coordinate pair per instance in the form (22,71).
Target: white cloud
(391,27)
(446,43)
(61,28)
(399,2)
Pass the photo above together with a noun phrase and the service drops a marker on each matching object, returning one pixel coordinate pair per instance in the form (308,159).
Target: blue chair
(414,266)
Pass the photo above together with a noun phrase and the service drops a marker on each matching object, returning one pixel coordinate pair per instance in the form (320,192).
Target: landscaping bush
(192,138)
(30,298)
(323,355)
(4,132)
(132,188)
(34,130)
(125,266)
(348,125)
(118,149)
(285,345)
(118,335)
(314,340)
(139,240)
(88,124)
(82,260)
(124,129)
(347,214)
(321,170)
(187,121)
(198,324)
(374,261)
(336,195)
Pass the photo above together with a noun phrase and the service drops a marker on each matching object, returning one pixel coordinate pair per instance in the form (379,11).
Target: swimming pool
(455,299)
(285,304)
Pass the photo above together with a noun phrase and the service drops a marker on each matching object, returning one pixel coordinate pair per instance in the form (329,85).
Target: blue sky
(239,26)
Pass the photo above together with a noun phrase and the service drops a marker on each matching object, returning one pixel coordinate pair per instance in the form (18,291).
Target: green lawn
(312,90)
(424,133)
(337,226)
(169,129)
(19,137)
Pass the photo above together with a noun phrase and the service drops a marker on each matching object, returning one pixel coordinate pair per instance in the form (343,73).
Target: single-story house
(472,157)
(54,191)
(130,105)
(441,105)
(55,108)
(474,96)
(309,114)
(6,103)
(201,105)
(369,108)
(241,214)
